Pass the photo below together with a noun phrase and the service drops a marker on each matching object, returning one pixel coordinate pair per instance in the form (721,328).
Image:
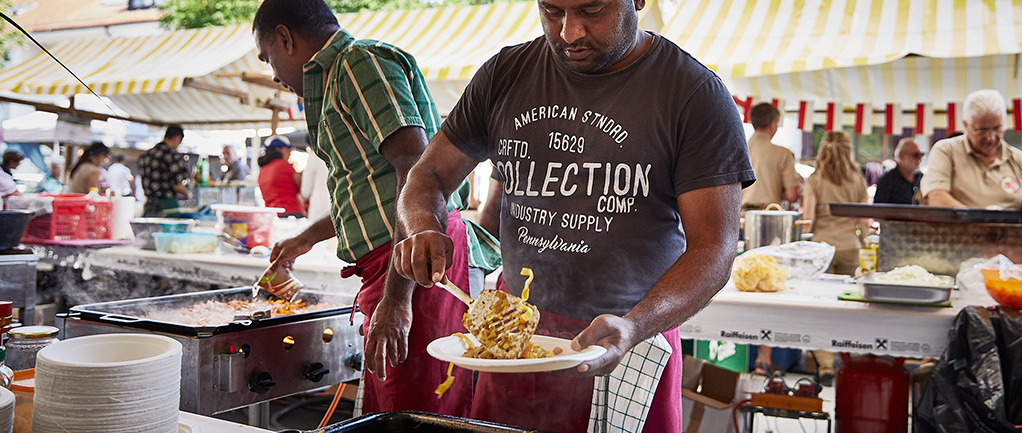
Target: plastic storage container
(175,243)
(26,342)
(74,217)
(1007,292)
(143,229)
(251,225)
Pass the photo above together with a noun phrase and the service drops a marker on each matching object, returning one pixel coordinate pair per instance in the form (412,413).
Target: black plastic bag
(966,391)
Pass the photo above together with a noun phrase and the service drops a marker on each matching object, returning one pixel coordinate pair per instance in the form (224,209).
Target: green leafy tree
(9,36)
(190,14)
(342,6)
(193,14)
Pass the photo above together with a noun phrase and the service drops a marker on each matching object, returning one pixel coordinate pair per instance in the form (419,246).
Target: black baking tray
(414,422)
(126,312)
(904,212)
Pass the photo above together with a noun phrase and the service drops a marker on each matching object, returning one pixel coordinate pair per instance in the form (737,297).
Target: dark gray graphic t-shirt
(592,166)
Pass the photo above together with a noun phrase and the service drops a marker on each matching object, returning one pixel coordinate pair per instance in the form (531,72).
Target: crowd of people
(162,176)
(970,169)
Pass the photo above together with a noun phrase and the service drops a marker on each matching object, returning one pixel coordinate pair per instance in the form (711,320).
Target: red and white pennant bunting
(805,115)
(835,114)
(892,119)
(863,118)
(924,118)
(953,113)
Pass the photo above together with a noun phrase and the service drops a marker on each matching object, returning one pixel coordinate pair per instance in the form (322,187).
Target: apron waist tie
(358,268)
(348,272)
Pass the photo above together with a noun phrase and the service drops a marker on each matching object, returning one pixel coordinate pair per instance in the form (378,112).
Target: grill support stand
(259,415)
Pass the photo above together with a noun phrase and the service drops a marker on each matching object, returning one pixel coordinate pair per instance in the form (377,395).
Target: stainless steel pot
(772,227)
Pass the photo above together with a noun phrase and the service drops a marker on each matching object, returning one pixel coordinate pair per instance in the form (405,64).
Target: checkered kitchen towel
(621,399)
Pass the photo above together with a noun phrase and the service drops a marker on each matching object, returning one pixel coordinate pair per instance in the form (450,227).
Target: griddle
(904,212)
(126,312)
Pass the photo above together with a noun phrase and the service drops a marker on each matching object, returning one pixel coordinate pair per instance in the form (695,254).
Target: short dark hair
(12,156)
(307,18)
(118,157)
(762,114)
(174,131)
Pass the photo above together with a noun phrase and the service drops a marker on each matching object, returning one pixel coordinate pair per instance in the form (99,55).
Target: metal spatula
(280,283)
(503,323)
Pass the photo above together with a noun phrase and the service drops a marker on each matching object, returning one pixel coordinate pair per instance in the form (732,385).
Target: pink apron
(436,313)
(561,404)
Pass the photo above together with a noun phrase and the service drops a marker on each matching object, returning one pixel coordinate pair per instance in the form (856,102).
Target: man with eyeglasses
(978,169)
(898,185)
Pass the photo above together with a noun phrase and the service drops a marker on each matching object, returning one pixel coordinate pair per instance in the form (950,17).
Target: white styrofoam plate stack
(6,410)
(108,383)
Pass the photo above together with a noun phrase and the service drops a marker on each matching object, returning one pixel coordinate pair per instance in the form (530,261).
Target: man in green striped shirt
(370,116)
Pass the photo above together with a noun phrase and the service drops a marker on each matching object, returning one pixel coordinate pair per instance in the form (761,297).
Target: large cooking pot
(12,227)
(772,226)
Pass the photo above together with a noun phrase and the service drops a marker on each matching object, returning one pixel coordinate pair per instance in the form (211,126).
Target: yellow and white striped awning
(167,77)
(149,76)
(450,44)
(129,65)
(878,51)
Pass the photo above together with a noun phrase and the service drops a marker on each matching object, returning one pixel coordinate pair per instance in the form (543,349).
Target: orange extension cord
(734,418)
(333,405)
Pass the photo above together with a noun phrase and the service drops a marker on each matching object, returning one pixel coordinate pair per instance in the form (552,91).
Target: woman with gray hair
(977,169)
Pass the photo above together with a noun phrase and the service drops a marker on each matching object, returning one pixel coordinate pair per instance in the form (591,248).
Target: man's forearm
(943,198)
(320,230)
(710,218)
(682,291)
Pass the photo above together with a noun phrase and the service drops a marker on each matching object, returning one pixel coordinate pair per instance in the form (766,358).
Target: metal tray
(872,289)
(905,212)
(125,312)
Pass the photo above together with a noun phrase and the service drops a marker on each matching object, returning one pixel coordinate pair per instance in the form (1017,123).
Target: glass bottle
(869,254)
(202,172)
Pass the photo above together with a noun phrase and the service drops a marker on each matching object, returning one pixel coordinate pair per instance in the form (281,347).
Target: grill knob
(261,383)
(315,372)
(355,361)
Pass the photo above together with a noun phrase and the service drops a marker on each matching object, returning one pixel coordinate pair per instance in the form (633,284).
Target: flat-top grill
(244,362)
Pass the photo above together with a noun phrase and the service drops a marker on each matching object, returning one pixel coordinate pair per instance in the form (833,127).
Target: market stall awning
(191,77)
(451,43)
(855,51)
(197,77)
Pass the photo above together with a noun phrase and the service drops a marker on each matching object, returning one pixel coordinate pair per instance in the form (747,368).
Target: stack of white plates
(108,383)
(6,410)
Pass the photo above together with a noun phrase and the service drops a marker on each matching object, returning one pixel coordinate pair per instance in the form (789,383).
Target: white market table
(808,315)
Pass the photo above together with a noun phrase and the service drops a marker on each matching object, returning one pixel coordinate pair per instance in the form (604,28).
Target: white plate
(451,349)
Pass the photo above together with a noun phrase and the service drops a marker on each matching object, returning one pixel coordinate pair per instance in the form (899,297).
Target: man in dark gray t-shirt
(622,160)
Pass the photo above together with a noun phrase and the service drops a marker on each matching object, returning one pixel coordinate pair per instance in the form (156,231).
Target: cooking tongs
(280,283)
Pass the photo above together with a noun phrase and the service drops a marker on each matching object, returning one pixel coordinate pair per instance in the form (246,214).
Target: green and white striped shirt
(371,90)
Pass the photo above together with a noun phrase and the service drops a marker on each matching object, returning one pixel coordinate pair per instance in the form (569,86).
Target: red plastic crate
(74,217)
